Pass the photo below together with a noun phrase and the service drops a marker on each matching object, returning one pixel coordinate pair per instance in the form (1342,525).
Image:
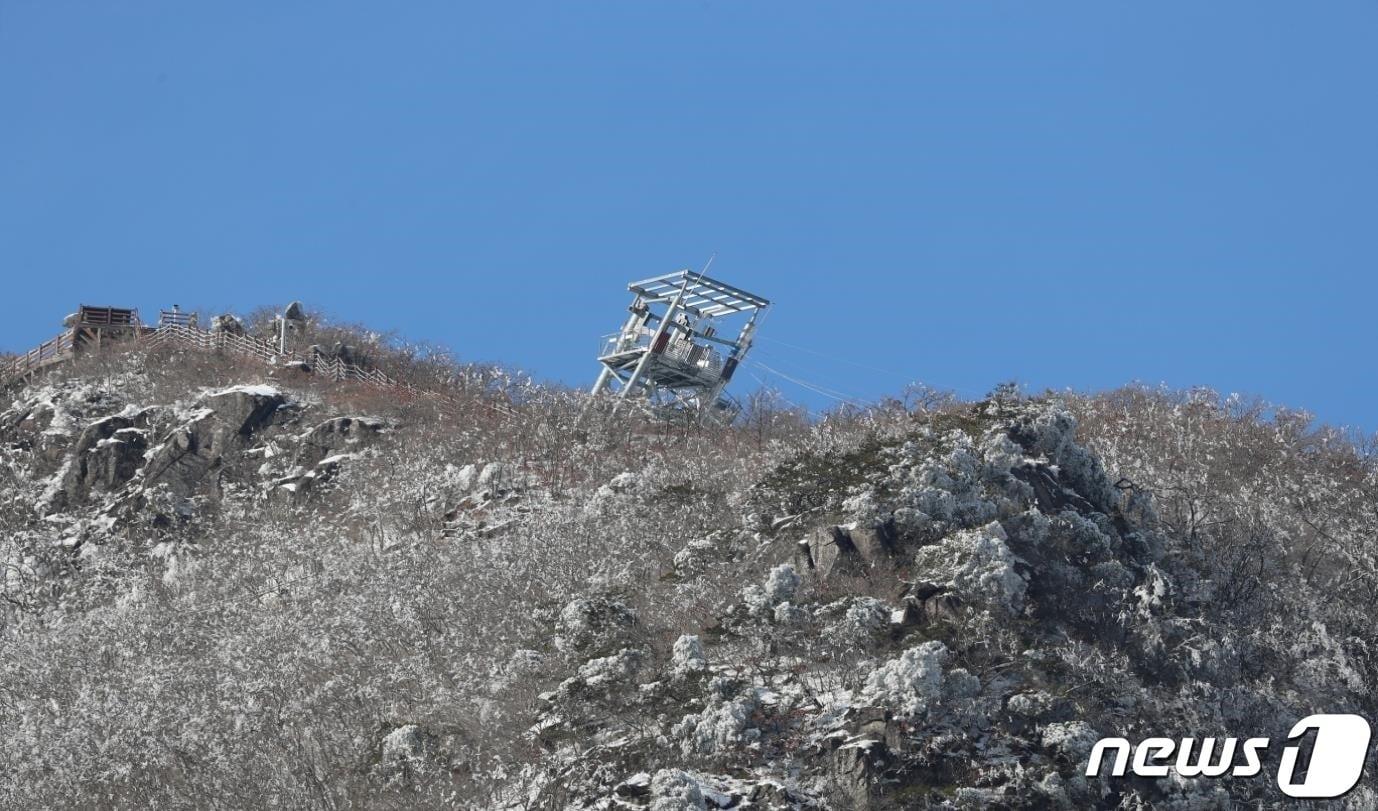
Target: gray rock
(874,544)
(106,456)
(830,551)
(638,785)
(25,427)
(407,750)
(227,323)
(839,550)
(854,768)
(928,602)
(768,794)
(336,436)
(1050,493)
(193,449)
(594,626)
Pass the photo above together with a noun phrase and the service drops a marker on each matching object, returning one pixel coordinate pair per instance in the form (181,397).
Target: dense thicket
(224,589)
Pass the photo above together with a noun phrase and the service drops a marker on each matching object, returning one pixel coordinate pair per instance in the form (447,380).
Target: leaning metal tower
(672,350)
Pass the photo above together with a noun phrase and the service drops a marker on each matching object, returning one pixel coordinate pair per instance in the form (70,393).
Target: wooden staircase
(90,326)
(42,356)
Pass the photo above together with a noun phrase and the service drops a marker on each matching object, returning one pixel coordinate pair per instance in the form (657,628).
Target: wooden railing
(176,317)
(194,337)
(45,354)
(190,336)
(88,316)
(336,369)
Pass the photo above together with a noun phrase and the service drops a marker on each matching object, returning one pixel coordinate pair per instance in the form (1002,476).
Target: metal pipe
(665,321)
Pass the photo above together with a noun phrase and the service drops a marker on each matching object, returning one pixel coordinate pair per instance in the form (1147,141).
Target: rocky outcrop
(228,324)
(227,422)
(849,550)
(336,436)
(25,427)
(106,455)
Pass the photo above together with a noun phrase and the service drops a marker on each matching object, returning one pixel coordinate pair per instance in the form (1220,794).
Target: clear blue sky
(1067,194)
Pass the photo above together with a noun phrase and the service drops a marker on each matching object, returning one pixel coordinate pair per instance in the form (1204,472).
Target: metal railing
(619,342)
(700,358)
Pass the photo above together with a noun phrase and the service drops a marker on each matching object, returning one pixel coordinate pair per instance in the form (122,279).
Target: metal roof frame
(702,296)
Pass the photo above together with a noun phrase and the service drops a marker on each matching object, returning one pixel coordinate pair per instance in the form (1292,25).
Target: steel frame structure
(667,350)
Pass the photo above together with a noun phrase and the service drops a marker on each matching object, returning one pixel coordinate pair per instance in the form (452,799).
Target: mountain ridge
(229,587)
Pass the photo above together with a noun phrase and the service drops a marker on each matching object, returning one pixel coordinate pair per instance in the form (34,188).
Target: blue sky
(1072,195)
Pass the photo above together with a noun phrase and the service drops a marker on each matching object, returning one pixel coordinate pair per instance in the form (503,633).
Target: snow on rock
(909,684)
(978,565)
(404,748)
(1033,704)
(620,489)
(687,658)
(1070,739)
(1002,537)
(603,672)
(780,586)
(593,625)
(676,790)
(255,390)
(623,482)
(724,722)
(1051,432)
(335,436)
(494,474)
(464,477)
(638,785)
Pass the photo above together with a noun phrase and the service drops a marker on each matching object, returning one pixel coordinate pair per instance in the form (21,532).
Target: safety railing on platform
(89,316)
(212,341)
(701,358)
(177,317)
(190,336)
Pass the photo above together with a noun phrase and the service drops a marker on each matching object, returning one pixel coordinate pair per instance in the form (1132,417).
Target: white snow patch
(978,565)
(910,683)
(256,389)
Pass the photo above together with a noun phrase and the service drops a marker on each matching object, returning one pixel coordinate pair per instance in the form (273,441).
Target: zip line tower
(672,351)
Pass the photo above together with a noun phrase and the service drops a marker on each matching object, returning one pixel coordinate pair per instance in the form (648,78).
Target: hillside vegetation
(224,588)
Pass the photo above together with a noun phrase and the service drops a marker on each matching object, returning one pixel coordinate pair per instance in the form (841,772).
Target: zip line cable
(838,359)
(849,362)
(804,376)
(830,394)
(764,385)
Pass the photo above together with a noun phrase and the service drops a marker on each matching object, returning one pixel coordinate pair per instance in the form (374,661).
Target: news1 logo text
(1337,754)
